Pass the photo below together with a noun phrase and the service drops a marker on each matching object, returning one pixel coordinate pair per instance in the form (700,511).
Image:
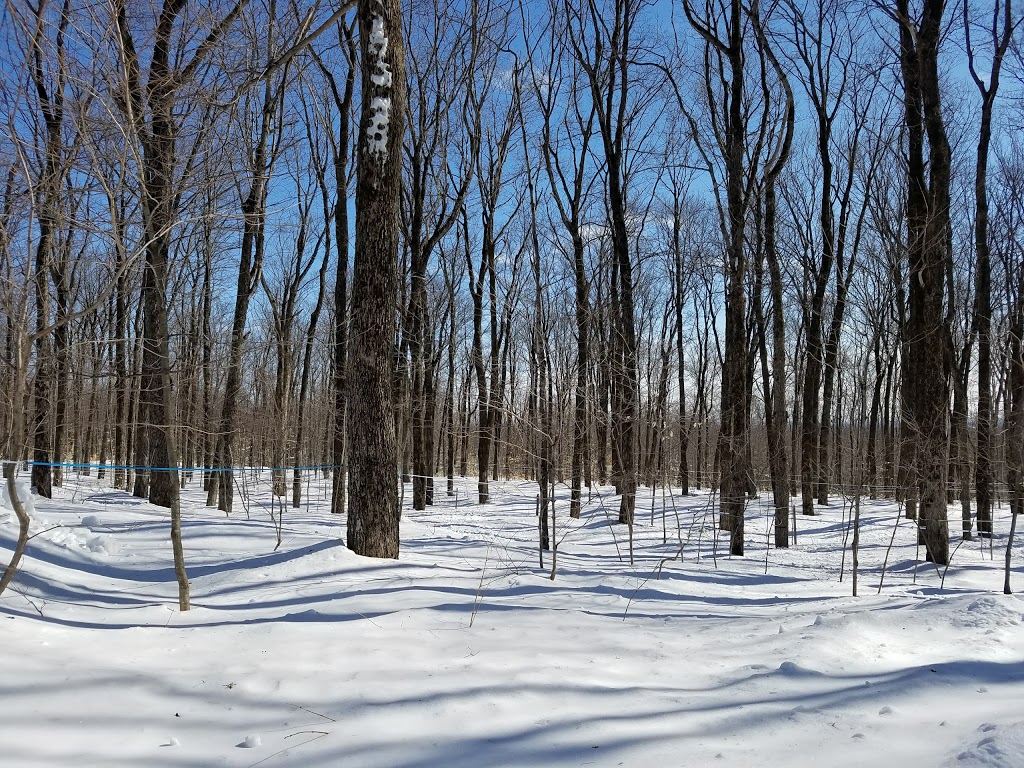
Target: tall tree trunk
(373,480)
(925,378)
(339,359)
(775,396)
(733,440)
(50,93)
(983,475)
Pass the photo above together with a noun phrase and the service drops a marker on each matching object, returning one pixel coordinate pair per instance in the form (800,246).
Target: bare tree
(601,36)
(822,49)
(149,100)
(444,70)
(49,77)
(1010,255)
(925,374)
(262,150)
(998,36)
(722,28)
(775,394)
(566,133)
(493,167)
(340,149)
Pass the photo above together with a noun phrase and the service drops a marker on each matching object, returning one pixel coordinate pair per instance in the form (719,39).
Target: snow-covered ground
(465,653)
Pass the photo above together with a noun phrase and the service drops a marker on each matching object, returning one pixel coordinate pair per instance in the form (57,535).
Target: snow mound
(990,612)
(1000,746)
(24,494)
(91,521)
(75,537)
(102,545)
(792,669)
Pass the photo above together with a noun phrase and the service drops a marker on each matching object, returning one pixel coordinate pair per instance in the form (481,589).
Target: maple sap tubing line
(133,468)
(173,469)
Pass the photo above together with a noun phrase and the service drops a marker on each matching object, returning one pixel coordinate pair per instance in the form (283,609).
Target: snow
(466,653)
(997,747)
(379,49)
(380,75)
(377,135)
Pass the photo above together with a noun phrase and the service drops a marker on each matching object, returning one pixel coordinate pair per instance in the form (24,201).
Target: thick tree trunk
(50,183)
(925,378)
(372,478)
(734,431)
(42,435)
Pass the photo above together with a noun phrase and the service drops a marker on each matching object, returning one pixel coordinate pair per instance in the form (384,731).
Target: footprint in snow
(804,709)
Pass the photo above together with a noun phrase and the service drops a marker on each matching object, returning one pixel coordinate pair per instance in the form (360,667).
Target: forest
(753,249)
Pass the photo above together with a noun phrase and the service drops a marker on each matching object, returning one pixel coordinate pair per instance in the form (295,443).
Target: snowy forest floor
(464,653)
